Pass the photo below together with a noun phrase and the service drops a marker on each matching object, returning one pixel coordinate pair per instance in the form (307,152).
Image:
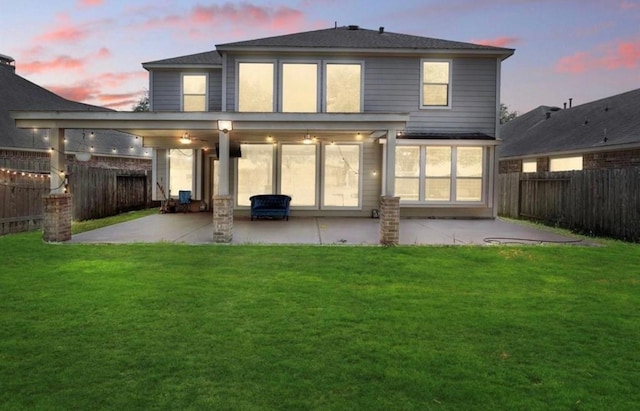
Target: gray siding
(393,85)
(166,89)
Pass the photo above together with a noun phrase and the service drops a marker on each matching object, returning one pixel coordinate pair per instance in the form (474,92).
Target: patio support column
(223,202)
(58,205)
(389,204)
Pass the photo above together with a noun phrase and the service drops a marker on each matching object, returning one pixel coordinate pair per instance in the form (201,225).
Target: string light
(7,175)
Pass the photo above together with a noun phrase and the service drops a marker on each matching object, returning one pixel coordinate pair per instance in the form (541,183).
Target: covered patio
(195,228)
(161,130)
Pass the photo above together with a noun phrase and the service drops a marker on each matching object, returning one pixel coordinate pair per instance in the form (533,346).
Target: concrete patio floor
(197,228)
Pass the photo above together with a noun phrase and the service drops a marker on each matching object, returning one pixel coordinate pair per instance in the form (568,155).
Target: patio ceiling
(164,129)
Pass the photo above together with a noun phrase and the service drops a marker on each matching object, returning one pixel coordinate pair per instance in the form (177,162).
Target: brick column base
(389,220)
(57,218)
(222,219)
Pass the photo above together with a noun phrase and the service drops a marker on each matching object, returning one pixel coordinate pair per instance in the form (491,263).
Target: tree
(143,103)
(506,115)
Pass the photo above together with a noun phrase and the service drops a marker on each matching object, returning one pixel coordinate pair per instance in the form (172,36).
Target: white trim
(223,85)
(326,63)
(278,173)
(487,186)
(274,83)
(449,85)
(318,64)
(206,90)
(322,176)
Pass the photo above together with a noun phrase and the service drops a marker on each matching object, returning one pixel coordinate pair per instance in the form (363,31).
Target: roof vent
(353,27)
(6,61)
(381,30)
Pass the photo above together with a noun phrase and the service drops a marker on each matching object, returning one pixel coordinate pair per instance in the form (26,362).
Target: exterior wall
(591,161)
(612,159)
(166,89)
(510,166)
(392,85)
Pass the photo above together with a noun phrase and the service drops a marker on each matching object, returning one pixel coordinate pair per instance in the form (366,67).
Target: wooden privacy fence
(596,202)
(21,200)
(97,193)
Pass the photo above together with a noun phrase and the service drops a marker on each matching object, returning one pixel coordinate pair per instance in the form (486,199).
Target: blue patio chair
(184,200)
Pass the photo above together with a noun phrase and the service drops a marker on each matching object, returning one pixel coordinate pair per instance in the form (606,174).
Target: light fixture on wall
(225,126)
(307,139)
(185,139)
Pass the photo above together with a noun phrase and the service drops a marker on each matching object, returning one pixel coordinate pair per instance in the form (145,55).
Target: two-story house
(347,121)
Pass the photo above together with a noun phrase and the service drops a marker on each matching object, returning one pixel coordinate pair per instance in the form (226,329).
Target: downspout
(494,168)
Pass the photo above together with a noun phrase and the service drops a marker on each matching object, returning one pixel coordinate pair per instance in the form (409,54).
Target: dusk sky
(91,50)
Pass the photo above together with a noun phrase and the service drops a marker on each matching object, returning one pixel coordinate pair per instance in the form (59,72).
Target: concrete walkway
(197,228)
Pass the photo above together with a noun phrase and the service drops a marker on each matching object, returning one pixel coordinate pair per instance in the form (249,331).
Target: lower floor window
(307,172)
(180,171)
(433,174)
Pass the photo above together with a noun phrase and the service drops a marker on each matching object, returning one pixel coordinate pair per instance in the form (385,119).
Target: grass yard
(178,327)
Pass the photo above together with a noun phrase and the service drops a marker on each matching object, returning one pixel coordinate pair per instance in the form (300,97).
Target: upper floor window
(255,87)
(194,92)
(299,88)
(436,83)
(343,88)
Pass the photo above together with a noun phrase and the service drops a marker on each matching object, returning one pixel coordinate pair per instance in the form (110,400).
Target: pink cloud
(574,64)
(202,18)
(629,5)
(621,55)
(64,32)
(116,79)
(502,41)
(57,63)
(119,101)
(80,92)
(90,3)
(103,53)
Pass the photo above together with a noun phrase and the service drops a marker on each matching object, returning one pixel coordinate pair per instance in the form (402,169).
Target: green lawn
(167,326)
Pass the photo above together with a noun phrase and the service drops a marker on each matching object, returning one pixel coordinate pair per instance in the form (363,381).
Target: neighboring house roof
(17,93)
(602,125)
(206,59)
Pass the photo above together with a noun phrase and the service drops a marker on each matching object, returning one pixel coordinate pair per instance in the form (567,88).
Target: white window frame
(360,175)
(319,181)
(449,88)
(274,176)
(553,166)
(278,171)
(486,169)
(274,62)
(326,63)
(529,163)
(206,89)
(280,90)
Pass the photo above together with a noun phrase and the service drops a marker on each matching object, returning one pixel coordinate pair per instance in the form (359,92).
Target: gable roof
(19,93)
(598,125)
(206,59)
(356,38)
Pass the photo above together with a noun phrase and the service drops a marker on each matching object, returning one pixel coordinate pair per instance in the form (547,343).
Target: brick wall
(591,161)
(389,220)
(57,217)
(612,159)
(510,166)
